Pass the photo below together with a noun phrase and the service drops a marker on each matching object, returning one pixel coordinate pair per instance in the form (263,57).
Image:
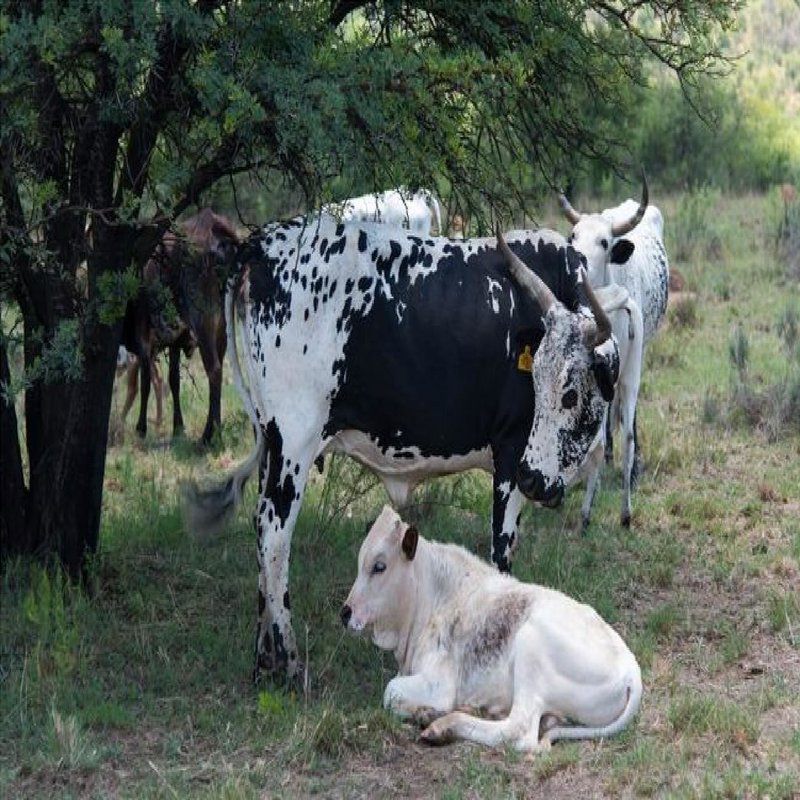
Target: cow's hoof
(436,734)
(585,525)
(264,667)
(141,432)
(625,520)
(424,717)
(265,672)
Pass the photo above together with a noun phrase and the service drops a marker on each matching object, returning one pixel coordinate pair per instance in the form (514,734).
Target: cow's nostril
(347,612)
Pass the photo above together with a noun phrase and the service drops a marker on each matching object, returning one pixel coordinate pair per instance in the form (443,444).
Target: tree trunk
(66,430)
(13,494)
(66,485)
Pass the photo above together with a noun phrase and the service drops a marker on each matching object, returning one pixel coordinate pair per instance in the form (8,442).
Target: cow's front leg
(282,476)
(506,512)
(422,697)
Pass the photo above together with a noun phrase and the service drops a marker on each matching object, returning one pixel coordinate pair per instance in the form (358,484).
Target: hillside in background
(735,130)
(768,74)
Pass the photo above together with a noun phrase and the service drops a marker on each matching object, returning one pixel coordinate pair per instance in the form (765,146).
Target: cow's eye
(604,244)
(569,399)
(378,567)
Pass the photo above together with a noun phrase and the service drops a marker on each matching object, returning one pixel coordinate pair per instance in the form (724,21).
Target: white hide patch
(495,292)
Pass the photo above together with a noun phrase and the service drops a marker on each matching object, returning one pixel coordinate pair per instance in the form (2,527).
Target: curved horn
(621,228)
(600,316)
(569,212)
(525,277)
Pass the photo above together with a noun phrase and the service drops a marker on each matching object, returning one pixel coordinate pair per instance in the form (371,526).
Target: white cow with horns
(624,245)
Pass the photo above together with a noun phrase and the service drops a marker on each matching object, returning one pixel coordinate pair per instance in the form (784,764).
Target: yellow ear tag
(525,360)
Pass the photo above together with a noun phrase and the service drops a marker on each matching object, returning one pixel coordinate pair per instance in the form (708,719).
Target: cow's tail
(634,691)
(206,510)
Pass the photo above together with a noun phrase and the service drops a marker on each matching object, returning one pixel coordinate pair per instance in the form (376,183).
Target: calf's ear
(410,539)
(621,251)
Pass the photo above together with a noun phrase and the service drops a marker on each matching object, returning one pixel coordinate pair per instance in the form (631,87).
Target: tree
(117,117)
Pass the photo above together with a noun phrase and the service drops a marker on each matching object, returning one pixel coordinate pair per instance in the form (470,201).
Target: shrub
(695,222)
(684,314)
(774,408)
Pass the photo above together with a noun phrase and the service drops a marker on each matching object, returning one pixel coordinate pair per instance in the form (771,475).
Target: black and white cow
(414,357)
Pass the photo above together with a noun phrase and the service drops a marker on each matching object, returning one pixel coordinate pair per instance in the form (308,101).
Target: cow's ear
(605,366)
(410,540)
(621,251)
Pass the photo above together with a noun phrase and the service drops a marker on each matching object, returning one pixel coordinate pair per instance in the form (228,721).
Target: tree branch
(340,9)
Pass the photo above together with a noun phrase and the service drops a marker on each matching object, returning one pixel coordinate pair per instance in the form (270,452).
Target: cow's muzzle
(531,483)
(347,612)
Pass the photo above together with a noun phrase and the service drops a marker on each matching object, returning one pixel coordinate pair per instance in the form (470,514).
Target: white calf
(467,637)
(628,328)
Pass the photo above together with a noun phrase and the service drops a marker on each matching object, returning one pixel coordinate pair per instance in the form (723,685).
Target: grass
(139,687)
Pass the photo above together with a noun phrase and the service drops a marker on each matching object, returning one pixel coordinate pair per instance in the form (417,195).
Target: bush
(684,314)
(788,237)
(774,408)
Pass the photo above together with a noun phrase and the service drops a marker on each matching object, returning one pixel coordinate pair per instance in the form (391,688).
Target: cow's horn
(569,212)
(526,278)
(621,228)
(601,318)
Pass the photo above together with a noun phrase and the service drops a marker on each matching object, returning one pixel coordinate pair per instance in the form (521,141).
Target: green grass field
(141,687)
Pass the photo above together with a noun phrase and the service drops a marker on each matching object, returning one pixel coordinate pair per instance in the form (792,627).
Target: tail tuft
(206,511)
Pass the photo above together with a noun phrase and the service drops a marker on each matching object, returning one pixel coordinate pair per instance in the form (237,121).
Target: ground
(140,687)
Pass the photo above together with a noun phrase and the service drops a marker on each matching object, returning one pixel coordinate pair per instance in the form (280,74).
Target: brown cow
(179,306)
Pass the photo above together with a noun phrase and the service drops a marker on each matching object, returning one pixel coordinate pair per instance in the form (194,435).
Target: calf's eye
(378,567)
(569,399)
(604,244)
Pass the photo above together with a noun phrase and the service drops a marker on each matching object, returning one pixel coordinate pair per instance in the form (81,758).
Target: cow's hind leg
(144,388)
(175,389)
(637,467)
(628,399)
(506,512)
(211,340)
(514,730)
(131,388)
(158,390)
(594,465)
(609,436)
(283,475)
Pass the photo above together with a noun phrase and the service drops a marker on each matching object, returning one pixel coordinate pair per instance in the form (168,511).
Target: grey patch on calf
(502,622)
